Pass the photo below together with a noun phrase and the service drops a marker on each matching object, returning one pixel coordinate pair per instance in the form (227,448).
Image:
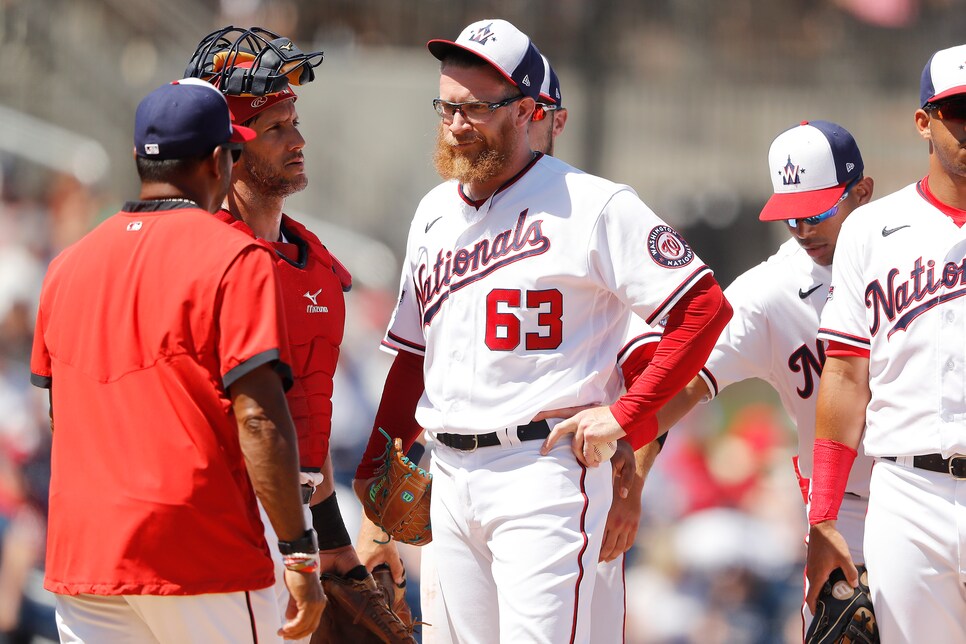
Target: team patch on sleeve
(668,248)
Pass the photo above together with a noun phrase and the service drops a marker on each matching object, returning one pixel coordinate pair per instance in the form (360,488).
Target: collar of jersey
(157,205)
(476,204)
(958,216)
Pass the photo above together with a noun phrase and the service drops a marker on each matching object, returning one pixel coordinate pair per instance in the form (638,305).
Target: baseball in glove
(397,500)
(843,615)
(357,611)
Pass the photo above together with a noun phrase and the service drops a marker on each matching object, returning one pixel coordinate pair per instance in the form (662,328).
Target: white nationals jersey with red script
(772,336)
(545,273)
(898,287)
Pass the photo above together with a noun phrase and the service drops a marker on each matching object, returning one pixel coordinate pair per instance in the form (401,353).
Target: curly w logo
(483,34)
(790,173)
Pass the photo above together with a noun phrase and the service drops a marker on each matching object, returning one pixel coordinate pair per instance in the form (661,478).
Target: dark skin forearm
(268,441)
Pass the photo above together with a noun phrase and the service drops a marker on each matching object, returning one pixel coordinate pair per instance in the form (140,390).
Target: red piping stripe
(583,549)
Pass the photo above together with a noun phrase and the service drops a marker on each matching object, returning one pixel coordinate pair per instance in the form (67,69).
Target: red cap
(245,106)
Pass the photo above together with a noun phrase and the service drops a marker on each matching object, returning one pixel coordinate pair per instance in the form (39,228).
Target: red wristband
(832,462)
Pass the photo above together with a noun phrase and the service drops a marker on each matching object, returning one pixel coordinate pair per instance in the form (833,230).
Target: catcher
(255,69)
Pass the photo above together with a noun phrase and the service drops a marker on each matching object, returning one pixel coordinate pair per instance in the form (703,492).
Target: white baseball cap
(503,46)
(550,89)
(944,75)
(811,166)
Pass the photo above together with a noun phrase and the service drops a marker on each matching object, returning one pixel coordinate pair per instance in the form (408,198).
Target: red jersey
(143,325)
(313,284)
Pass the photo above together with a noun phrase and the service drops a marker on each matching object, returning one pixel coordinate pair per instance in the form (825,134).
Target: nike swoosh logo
(803,294)
(430,224)
(888,231)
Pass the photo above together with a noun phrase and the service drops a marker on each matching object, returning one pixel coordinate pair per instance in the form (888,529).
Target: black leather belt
(954,465)
(469,442)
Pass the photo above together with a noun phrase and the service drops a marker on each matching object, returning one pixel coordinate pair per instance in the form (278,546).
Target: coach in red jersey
(168,406)
(313,283)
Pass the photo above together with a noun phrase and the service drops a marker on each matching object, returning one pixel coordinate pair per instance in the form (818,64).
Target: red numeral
(503,324)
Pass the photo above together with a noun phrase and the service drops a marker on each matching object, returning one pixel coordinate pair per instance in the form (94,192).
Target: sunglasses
(235,149)
(822,216)
(473,111)
(954,110)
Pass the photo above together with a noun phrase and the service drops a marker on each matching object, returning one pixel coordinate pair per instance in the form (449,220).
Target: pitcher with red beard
(520,276)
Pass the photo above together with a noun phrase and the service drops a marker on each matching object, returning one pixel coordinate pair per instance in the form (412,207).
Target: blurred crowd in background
(677,98)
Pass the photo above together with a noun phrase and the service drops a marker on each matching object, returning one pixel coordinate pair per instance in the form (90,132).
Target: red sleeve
(693,327)
(838,349)
(39,356)
(251,318)
(397,411)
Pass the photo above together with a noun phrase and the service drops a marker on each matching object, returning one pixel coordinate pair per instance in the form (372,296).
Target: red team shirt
(143,325)
(313,284)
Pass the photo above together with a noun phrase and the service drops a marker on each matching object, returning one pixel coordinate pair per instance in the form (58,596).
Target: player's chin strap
(251,61)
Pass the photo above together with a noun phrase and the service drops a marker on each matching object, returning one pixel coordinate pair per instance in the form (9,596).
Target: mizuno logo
(803,294)
(287,46)
(430,224)
(888,231)
(312,296)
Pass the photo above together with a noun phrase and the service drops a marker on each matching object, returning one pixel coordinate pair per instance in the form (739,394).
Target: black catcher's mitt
(843,615)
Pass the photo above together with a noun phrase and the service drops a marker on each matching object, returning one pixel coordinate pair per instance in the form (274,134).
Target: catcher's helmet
(275,61)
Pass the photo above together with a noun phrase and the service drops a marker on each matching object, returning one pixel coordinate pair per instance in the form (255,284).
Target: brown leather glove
(397,500)
(358,612)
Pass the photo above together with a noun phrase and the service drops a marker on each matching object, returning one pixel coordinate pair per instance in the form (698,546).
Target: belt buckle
(476,443)
(953,459)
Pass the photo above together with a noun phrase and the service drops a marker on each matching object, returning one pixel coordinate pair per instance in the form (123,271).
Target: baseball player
(818,178)
(519,278)
(168,408)
(313,281)
(894,324)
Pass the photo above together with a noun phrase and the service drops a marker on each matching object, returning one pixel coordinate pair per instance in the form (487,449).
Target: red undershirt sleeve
(693,327)
(397,411)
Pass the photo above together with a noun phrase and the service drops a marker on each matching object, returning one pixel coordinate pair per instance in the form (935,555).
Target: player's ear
(559,121)
(922,124)
(525,110)
(863,190)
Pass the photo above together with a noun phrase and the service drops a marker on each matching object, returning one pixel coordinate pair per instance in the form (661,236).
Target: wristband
(308,543)
(329,524)
(832,462)
(416,452)
(302,562)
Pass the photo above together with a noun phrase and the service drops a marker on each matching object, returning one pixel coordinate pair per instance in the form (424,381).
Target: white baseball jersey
(897,290)
(772,336)
(546,272)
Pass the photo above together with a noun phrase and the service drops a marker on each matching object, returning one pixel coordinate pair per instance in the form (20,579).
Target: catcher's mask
(275,62)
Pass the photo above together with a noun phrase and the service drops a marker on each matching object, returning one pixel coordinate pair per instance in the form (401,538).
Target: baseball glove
(358,612)
(395,594)
(398,499)
(843,615)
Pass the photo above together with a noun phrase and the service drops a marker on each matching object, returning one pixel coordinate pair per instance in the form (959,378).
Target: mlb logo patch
(134,226)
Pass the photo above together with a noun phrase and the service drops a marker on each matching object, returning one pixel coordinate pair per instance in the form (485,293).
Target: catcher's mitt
(358,612)
(843,615)
(398,499)
(395,594)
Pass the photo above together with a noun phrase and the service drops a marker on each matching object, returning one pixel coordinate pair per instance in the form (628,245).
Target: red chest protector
(313,286)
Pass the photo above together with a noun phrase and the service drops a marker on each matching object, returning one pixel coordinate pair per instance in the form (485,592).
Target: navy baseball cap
(503,46)
(944,75)
(550,89)
(811,165)
(184,119)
